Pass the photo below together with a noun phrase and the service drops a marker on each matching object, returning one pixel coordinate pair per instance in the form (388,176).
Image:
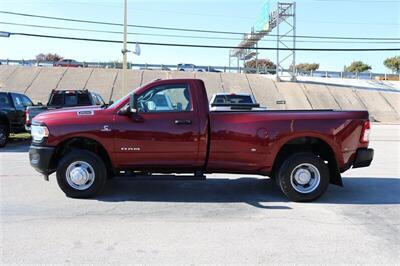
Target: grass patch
(21,136)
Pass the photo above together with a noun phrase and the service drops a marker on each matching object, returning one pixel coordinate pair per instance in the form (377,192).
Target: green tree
(261,63)
(307,67)
(393,63)
(48,57)
(357,66)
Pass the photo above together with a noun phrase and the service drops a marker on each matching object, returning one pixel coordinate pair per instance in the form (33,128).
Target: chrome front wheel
(80,175)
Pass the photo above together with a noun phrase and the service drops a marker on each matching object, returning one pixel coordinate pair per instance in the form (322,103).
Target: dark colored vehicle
(224,101)
(67,63)
(63,98)
(303,151)
(12,114)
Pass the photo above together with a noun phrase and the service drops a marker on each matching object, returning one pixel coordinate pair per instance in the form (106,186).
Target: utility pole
(125,50)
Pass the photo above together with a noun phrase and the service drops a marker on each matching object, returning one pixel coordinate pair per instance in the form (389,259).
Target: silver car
(190,67)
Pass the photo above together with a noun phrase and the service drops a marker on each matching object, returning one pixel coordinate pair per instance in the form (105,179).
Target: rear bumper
(363,158)
(40,159)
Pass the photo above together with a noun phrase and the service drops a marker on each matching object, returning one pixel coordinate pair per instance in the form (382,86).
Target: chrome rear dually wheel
(303,176)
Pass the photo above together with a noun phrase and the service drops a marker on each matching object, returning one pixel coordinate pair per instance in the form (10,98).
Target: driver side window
(165,98)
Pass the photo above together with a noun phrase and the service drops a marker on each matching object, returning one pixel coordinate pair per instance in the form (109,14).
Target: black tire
(311,163)
(4,134)
(99,170)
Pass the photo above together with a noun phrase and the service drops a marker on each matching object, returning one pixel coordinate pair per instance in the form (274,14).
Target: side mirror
(133,103)
(110,102)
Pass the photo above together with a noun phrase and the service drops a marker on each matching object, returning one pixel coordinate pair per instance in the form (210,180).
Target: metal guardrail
(170,67)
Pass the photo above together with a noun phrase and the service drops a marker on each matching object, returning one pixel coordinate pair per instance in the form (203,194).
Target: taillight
(365,132)
(27,121)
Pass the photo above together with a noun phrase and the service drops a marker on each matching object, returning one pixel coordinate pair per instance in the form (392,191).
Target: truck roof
(232,93)
(70,91)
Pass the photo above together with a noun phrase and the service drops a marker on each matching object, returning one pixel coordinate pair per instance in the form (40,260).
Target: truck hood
(68,113)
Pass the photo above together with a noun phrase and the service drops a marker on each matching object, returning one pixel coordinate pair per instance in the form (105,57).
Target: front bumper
(363,158)
(40,159)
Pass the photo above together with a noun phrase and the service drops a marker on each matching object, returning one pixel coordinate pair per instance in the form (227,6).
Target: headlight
(38,133)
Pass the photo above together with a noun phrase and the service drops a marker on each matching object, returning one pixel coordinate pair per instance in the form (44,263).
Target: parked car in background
(61,99)
(163,68)
(67,63)
(12,114)
(303,150)
(211,69)
(224,101)
(190,67)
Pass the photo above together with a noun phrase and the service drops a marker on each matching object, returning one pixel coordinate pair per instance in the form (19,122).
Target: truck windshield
(4,102)
(70,99)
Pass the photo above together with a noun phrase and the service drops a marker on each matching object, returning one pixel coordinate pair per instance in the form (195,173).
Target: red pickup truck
(165,126)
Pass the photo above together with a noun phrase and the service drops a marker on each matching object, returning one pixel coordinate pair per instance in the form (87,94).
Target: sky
(349,18)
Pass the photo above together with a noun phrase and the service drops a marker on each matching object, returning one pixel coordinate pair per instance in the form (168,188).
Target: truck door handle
(183,122)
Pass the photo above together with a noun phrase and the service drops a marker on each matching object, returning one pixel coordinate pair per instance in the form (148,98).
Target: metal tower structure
(286,12)
(248,47)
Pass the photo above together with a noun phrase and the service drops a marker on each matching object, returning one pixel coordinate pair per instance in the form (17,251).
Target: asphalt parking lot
(227,219)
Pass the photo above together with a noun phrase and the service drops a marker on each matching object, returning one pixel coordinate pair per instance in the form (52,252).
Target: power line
(206,46)
(118,24)
(181,36)
(188,30)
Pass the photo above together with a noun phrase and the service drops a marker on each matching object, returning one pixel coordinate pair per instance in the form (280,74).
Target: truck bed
(268,130)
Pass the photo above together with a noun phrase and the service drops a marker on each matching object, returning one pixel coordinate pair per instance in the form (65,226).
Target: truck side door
(164,133)
(18,119)
(7,107)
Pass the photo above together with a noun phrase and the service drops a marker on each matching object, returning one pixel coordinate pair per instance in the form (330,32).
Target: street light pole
(5,34)
(125,50)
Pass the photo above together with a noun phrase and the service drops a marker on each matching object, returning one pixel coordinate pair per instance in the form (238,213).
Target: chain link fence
(195,68)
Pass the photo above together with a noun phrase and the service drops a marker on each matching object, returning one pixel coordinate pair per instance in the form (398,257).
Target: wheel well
(315,146)
(83,144)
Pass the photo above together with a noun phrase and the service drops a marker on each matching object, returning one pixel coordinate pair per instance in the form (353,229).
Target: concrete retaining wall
(212,81)
(378,107)
(37,83)
(101,80)
(320,97)
(5,72)
(21,78)
(47,80)
(232,82)
(294,95)
(134,80)
(265,92)
(75,78)
(346,98)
